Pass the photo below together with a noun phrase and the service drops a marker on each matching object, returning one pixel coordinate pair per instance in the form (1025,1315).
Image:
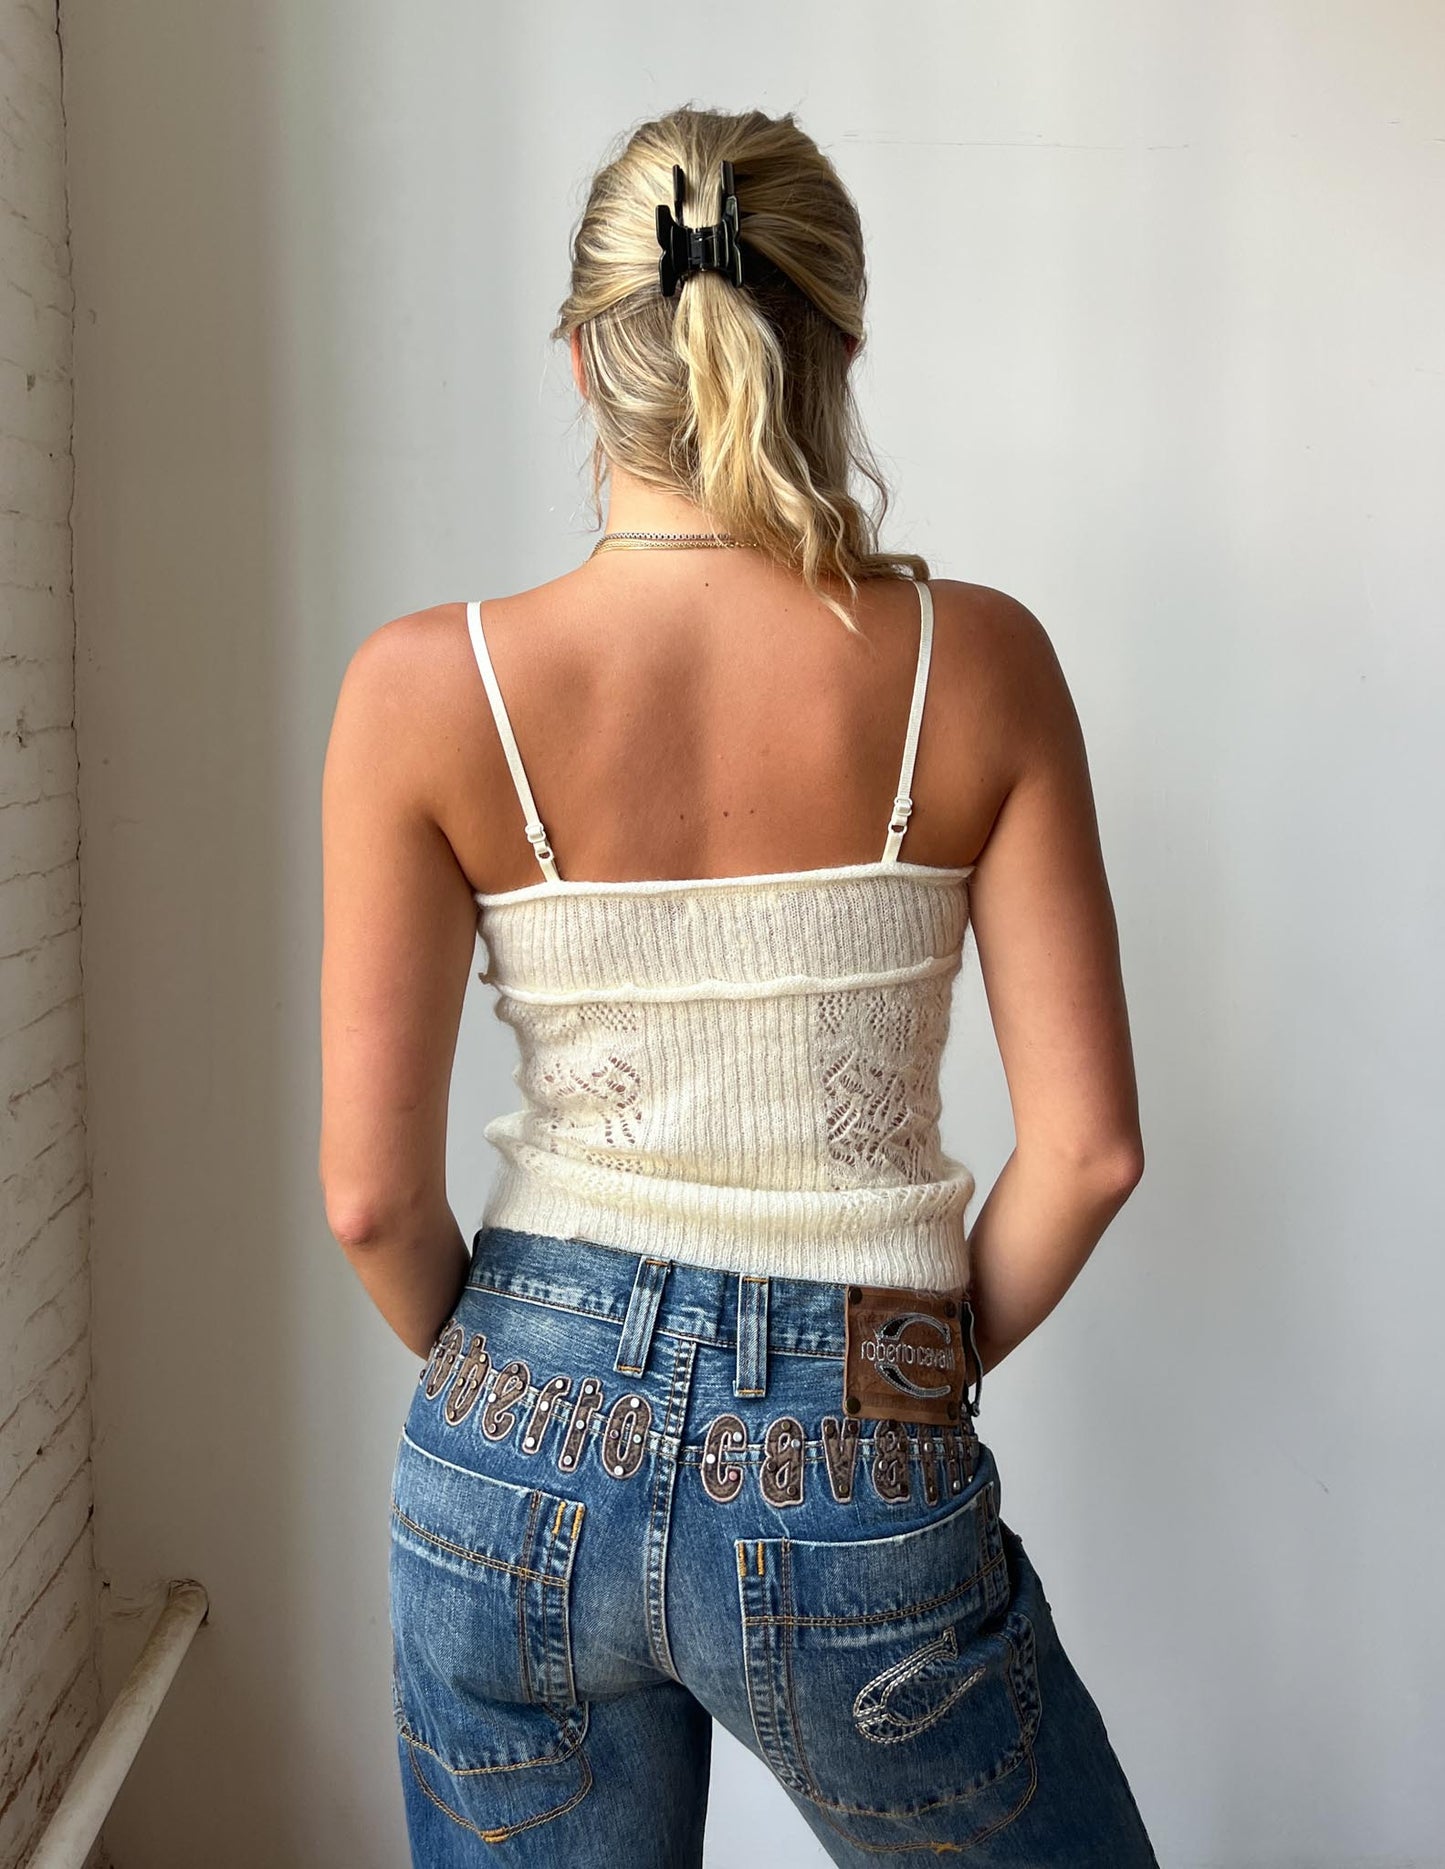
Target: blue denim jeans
(628,1501)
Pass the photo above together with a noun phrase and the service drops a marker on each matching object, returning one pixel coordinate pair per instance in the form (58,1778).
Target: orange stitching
(475,1557)
(568,1747)
(887,1615)
(500,1836)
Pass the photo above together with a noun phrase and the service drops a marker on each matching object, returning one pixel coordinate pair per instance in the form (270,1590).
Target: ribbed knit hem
(910,1237)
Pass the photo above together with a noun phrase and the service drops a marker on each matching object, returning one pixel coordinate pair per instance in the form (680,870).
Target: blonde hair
(738,398)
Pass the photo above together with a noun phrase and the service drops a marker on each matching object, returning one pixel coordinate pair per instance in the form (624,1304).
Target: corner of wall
(49,1690)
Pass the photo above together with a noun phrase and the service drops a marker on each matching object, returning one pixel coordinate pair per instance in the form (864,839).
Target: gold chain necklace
(664,542)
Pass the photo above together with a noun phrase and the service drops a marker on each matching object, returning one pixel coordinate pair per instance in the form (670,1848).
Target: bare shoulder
(409,655)
(415,677)
(1011,663)
(405,698)
(997,626)
(430,648)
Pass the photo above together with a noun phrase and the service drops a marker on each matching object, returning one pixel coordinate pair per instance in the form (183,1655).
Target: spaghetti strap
(536,835)
(903,803)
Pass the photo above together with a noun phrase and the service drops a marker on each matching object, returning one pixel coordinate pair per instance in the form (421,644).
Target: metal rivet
(855,1296)
(853,1404)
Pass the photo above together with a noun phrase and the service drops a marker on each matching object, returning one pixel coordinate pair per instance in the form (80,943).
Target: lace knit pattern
(741,1073)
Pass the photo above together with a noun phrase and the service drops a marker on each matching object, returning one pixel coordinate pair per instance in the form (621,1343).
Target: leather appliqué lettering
(929,1451)
(589,1400)
(543,1409)
(624,1438)
(462,1395)
(781,1472)
(959,1450)
(509,1385)
(722,1474)
(445,1351)
(890,1460)
(840,1454)
(903,1355)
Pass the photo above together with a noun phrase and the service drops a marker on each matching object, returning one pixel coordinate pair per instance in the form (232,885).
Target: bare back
(685,720)
(695,719)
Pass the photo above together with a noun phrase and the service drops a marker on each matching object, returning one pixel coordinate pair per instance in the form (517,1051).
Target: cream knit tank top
(738,1071)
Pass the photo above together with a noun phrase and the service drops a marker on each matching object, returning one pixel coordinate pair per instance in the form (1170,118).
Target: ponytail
(740,398)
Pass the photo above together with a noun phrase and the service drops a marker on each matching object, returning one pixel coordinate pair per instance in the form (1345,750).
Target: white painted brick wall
(48,1687)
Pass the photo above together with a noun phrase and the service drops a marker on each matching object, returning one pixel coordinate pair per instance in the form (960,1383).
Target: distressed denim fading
(628,1499)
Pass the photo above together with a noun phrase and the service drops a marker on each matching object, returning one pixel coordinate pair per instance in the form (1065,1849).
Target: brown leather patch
(904,1356)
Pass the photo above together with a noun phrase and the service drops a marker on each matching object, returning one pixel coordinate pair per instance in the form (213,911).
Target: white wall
(48,1686)
(1157,345)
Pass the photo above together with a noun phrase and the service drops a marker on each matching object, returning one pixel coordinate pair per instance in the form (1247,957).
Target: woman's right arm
(1048,950)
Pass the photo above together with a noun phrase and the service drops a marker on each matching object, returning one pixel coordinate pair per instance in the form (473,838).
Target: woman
(695,1436)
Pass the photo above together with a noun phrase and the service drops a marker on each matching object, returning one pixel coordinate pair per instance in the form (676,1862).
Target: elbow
(1126,1170)
(1109,1170)
(1118,1171)
(352,1217)
(364,1218)
(355,1222)
(358,1215)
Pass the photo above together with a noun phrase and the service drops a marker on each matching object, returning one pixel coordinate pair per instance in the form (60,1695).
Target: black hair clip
(687,250)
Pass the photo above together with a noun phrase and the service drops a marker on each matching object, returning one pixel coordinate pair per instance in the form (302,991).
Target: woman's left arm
(399,939)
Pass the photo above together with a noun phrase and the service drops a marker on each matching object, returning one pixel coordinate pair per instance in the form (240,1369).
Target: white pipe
(88,1797)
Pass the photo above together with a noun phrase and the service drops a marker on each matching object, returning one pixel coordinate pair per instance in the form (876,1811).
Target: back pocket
(482,1683)
(893,1680)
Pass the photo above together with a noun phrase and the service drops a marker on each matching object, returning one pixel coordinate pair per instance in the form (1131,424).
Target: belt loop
(642,1308)
(751,1377)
